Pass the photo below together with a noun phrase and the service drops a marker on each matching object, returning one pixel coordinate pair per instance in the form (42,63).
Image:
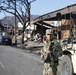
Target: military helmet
(49,31)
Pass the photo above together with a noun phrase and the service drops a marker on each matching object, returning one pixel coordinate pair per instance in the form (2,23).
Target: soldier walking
(50,53)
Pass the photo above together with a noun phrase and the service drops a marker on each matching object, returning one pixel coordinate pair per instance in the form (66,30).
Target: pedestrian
(50,53)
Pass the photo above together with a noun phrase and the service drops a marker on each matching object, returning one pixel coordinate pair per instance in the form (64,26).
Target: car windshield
(69,41)
(5,36)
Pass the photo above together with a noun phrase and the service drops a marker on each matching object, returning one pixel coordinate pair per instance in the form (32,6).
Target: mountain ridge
(10,20)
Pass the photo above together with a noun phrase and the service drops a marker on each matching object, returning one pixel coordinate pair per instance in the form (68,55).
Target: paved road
(14,61)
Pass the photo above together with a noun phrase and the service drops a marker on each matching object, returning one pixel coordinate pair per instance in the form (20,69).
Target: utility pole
(15,24)
(59,29)
(28,8)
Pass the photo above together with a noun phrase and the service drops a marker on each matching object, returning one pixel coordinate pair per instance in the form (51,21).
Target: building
(66,18)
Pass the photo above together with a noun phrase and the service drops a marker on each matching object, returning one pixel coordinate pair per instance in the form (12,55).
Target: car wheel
(65,65)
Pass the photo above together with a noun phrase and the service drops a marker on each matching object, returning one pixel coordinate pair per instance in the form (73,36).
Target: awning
(57,15)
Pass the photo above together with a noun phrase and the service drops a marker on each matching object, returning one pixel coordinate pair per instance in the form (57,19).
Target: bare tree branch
(21,10)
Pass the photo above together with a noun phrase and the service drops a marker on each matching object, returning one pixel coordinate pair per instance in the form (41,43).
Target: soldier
(50,53)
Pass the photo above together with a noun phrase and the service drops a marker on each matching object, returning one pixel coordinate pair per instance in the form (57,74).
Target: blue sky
(40,7)
(44,6)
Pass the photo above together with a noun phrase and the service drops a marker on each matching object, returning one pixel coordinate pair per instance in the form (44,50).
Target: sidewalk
(32,47)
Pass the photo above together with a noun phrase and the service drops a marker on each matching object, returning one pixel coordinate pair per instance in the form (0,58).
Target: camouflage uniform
(51,59)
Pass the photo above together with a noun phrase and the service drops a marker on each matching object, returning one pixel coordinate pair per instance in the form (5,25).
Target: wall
(65,29)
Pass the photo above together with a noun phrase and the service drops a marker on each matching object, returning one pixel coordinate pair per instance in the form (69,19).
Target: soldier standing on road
(50,53)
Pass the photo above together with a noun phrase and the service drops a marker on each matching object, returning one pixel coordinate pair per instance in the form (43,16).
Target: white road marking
(2,64)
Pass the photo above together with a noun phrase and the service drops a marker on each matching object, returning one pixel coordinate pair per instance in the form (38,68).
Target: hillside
(10,20)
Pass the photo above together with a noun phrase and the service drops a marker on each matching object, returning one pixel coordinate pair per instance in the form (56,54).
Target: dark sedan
(6,40)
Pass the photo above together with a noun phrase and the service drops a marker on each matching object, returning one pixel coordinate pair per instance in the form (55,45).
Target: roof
(54,16)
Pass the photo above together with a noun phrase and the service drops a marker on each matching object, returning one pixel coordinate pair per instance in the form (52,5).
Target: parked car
(5,40)
(0,40)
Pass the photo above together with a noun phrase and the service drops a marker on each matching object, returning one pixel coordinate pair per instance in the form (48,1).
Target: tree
(18,8)
(1,27)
